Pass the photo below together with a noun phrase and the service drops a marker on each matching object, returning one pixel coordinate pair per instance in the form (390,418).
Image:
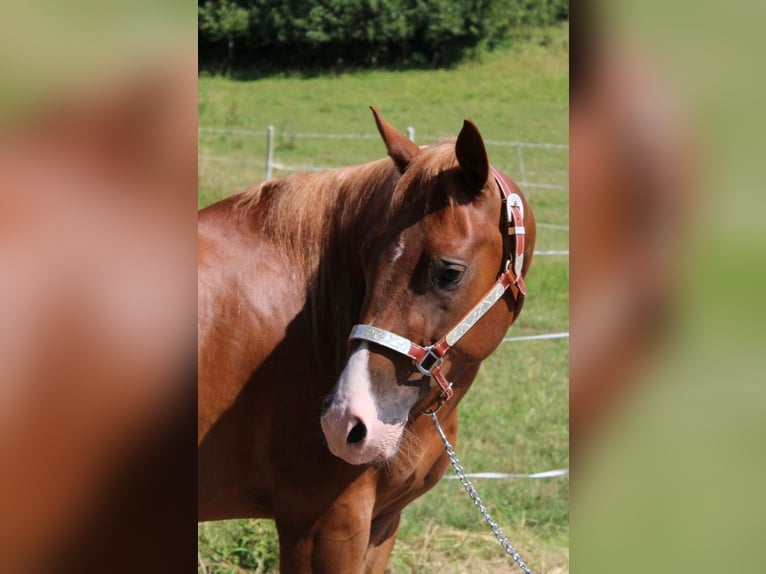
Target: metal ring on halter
(438,406)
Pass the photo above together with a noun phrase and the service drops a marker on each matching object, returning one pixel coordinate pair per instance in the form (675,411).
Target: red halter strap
(428,360)
(514,214)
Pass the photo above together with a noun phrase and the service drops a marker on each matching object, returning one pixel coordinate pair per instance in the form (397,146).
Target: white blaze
(354,388)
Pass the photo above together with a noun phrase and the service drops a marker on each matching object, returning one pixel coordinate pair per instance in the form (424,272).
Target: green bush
(334,33)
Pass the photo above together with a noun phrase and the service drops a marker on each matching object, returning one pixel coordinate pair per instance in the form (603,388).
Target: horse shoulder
(245,303)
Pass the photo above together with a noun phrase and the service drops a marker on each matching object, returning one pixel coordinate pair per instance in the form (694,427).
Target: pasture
(515,418)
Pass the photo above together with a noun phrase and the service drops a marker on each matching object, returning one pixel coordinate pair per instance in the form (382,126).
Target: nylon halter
(428,360)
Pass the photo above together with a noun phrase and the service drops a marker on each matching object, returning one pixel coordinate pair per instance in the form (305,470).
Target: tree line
(321,33)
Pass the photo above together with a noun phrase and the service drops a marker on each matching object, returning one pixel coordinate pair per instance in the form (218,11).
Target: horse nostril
(357,433)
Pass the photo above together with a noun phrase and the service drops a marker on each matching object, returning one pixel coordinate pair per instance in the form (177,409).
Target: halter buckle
(429,362)
(514,200)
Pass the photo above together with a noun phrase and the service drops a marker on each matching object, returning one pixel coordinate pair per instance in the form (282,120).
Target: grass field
(515,419)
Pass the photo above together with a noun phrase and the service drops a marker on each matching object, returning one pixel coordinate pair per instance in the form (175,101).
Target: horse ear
(399,146)
(472,156)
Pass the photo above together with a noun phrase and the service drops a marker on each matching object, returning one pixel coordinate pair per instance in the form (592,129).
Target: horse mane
(319,221)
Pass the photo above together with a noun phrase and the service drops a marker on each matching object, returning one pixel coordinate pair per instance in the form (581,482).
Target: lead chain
(471,490)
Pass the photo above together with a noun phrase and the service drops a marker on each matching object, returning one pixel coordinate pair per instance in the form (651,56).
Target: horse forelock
(420,183)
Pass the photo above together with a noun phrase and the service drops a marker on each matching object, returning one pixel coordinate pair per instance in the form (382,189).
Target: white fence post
(269,150)
(522,171)
(411,133)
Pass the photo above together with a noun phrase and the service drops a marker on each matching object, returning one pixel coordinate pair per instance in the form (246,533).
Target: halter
(428,360)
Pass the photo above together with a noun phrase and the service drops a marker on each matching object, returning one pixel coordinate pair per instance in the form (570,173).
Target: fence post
(411,133)
(522,171)
(269,150)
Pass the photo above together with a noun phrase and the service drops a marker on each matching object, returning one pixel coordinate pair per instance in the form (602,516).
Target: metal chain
(471,490)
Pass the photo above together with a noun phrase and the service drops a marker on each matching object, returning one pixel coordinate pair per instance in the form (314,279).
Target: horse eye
(448,275)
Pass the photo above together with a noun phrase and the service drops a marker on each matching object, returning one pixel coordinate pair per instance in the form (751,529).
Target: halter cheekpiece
(428,360)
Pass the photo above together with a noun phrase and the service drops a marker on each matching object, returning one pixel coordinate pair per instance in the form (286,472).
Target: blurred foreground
(97,292)
(667,370)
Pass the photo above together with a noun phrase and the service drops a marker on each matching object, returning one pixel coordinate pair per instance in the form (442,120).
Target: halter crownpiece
(428,360)
(515,218)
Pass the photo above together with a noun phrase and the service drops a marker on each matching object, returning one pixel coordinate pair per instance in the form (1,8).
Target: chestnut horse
(321,431)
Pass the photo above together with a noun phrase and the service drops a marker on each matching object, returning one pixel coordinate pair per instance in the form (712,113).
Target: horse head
(437,257)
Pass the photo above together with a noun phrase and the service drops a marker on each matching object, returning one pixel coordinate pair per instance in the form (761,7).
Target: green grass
(515,419)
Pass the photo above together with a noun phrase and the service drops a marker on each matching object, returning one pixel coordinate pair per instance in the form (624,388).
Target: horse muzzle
(358,438)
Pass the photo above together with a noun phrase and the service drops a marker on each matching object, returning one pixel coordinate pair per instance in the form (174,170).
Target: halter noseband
(428,360)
